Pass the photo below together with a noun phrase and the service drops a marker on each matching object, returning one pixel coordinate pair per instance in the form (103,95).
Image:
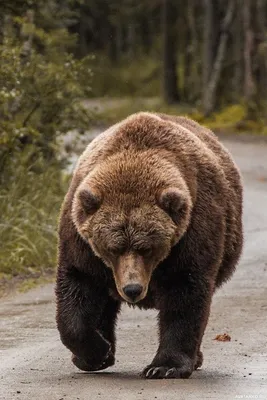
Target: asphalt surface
(34,364)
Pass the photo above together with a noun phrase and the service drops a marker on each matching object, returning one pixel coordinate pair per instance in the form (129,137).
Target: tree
(209,25)
(209,94)
(170,80)
(237,54)
(261,46)
(249,86)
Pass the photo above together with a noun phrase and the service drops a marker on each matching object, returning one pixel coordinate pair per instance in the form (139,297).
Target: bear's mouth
(118,296)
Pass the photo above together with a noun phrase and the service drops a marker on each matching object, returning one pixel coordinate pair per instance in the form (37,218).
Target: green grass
(230,119)
(135,85)
(30,206)
(138,77)
(113,110)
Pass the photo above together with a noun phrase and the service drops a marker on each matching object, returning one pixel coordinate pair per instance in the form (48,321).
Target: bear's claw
(199,360)
(164,372)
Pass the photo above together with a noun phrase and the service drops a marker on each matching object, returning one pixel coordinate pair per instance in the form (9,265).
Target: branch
(35,108)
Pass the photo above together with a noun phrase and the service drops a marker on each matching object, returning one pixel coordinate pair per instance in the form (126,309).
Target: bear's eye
(115,251)
(145,252)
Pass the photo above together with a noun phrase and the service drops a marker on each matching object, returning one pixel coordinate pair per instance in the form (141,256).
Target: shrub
(41,88)
(29,212)
(40,97)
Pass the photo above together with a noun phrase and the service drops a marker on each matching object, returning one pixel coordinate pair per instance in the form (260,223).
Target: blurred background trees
(209,52)
(206,57)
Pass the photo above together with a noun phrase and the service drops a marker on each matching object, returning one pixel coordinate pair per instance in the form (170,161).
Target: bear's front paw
(180,367)
(86,365)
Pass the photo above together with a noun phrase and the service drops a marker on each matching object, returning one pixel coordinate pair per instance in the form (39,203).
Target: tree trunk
(119,40)
(249,87)
(238,55)
(83,47)
(145,33)
(112,44)
(27,36)
(131,36)
(170,80)
(2,22)
(187,66)
(210,92)
(208,45)
(261,42)
(193,64)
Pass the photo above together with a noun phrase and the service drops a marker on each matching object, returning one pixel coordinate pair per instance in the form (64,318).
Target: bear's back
(149,131)
(211,141)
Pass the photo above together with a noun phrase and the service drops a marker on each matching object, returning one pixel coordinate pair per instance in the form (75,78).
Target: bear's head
(131,210)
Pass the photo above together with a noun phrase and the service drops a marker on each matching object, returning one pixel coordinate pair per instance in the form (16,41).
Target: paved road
(34,364)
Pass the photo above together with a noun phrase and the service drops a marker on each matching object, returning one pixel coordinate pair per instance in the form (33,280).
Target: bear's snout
(132,291)
(132,277)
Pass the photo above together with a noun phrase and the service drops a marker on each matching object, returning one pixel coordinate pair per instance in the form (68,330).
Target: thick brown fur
(155,203)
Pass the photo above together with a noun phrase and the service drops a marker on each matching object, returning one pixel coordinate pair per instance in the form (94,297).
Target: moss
(226,118)
(121,108)
(235,119)
(229,119)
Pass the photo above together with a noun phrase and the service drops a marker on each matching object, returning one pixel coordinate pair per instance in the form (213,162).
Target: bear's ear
(173,202)
(90,201)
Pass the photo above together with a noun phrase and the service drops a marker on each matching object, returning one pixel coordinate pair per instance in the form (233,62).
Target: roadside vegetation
(41,87)
(231,119)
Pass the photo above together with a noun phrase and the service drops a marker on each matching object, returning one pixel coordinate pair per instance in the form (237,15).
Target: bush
(29,214)
(41,88)
(40,97)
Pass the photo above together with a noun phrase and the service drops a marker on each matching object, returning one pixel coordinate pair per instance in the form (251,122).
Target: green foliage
(114,110)
(40,96)
(139,77)
(233,119)
(14,6)
(29,211)
(42,87)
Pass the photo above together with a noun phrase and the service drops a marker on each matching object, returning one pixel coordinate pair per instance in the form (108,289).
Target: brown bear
(153,217)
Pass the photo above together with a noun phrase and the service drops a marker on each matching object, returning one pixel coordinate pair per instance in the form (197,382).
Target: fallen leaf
(262,179)
(223,338)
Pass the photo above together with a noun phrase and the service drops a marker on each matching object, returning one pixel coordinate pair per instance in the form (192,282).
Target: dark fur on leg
(86,320)
(182,321)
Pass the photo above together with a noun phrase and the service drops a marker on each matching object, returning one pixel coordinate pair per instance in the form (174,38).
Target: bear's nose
(133,290)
